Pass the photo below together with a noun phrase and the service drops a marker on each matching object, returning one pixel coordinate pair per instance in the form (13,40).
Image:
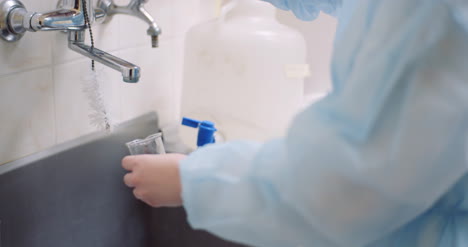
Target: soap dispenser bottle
(245,70)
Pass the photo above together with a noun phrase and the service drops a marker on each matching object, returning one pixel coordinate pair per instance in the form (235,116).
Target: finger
(129,162)
(152,203)
(138,195)
(129,180)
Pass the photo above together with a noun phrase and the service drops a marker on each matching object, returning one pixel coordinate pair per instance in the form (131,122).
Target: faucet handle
(134,8)
(7,10)
(15,20)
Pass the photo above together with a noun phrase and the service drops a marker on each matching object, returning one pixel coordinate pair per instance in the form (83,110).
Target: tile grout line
(54,90)
(25,70)
(54,102)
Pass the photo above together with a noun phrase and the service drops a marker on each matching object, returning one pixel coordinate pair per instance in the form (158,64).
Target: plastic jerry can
(244,71)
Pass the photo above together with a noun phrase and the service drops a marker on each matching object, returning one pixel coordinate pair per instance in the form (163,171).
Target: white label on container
(297,71)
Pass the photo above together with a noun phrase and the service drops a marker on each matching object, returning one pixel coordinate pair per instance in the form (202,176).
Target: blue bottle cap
(206,130)
(190,122)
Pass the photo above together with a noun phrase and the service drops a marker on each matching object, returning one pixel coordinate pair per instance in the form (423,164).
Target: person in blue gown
(381,161)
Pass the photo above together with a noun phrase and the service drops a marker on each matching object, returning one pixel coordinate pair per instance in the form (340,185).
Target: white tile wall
(41,81)
(71,103)
(28,53)
(178,74)
(32,51)
(27,118)
(157,84)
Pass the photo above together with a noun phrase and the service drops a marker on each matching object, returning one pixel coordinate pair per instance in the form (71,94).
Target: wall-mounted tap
(134,8)
(15,20)
(130,72)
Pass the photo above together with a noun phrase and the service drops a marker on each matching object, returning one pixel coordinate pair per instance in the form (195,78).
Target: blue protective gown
(382,161)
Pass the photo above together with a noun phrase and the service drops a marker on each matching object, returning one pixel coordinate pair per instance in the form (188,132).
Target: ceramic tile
(40,6)
(27,113)
(179,46)
(32,51)
(155,91)
(72,103)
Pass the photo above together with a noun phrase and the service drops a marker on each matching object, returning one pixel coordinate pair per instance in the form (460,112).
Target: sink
(72,195)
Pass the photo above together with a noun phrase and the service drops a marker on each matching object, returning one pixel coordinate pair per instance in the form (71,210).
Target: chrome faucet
(134,8)
(130,72)
(15,20)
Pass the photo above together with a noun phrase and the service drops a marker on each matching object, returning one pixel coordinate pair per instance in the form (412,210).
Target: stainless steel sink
(72,195)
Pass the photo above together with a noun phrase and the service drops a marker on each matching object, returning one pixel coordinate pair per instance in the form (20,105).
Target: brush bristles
(99,116)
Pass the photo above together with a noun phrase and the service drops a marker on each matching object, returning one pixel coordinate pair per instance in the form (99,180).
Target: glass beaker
(152,144)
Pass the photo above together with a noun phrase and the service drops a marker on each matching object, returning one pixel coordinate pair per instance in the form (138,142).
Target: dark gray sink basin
(72,195)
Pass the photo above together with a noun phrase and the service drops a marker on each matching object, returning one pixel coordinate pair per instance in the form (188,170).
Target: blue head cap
(206,130)
(308,10)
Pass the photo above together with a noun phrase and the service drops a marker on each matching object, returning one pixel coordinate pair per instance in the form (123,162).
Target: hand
(155,179)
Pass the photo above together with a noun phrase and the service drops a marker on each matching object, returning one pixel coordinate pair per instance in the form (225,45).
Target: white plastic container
(244,71)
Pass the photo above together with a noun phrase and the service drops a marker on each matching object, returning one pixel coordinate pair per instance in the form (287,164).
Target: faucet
(15,20)
(134,8)
(130,72)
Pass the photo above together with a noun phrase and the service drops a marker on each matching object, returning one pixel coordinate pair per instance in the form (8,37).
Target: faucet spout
(130,72)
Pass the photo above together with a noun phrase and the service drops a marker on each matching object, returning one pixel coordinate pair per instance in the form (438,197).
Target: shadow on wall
(319,36)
